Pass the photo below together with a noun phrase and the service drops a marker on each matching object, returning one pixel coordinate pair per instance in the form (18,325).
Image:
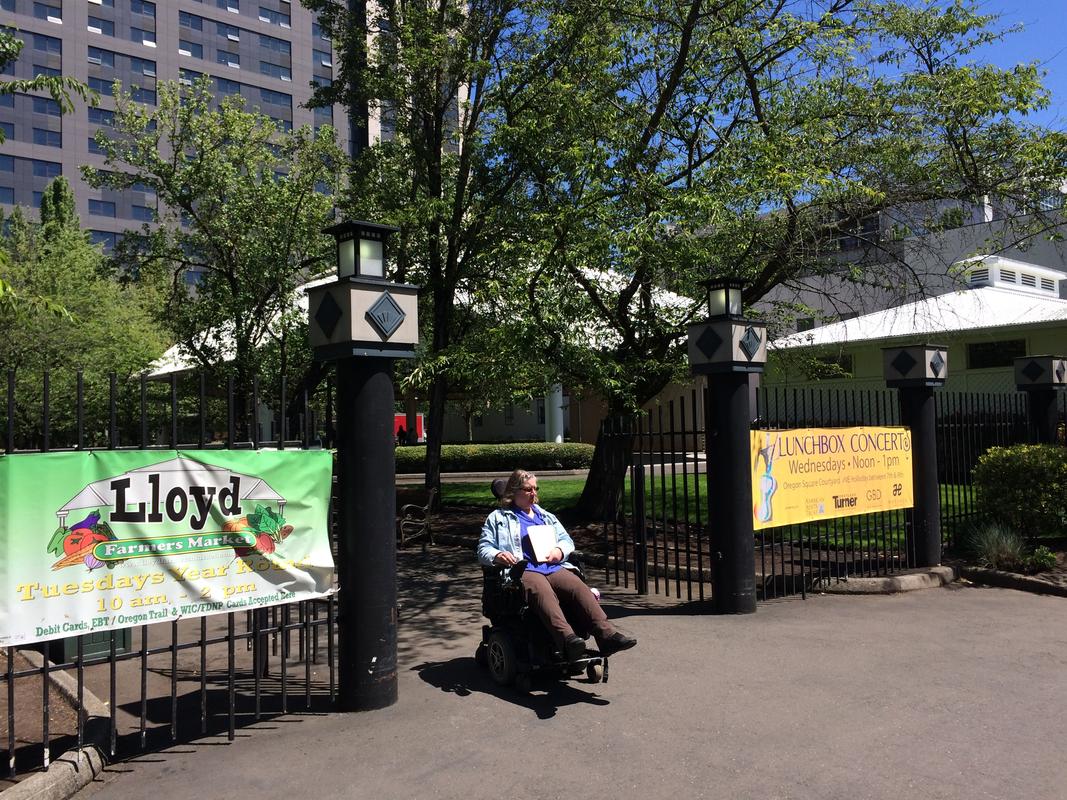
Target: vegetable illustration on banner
(182,535)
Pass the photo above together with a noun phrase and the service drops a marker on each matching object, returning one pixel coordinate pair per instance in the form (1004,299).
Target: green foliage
(501,458)
(103,326)
(1041,559)
(238,202)
(1023,487)
(996,546)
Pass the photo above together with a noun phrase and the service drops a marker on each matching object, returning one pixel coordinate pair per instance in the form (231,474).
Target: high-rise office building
(268,51)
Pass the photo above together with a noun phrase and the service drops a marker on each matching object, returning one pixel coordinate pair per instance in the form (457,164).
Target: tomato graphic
(80,538)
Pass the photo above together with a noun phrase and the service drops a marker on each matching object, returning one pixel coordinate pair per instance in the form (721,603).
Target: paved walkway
(943,693)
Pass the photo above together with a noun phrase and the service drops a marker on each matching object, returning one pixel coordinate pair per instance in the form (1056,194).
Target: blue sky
(1043,40)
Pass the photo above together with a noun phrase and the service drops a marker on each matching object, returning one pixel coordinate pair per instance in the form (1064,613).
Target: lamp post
(915,371)
(1041,377)
(727,348)
(363,321)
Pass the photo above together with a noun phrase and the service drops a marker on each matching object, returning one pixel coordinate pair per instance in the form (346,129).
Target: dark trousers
(566,605)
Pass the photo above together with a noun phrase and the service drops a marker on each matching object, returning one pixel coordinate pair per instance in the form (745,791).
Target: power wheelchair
(516,647)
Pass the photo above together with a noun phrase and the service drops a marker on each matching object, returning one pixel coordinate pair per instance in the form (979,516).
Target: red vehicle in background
(400,424)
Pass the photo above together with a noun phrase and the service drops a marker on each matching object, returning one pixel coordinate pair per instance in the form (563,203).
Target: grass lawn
(560,495)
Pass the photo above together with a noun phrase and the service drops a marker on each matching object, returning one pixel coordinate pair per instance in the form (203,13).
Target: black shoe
(573,648)
(615,643)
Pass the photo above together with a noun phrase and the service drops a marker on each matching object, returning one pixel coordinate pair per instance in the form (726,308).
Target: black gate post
(363,322)
(1041,377)
(915,372)
(728,348)
(637,480)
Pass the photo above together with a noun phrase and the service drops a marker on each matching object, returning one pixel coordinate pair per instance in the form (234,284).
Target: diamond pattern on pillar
(937,363)
(903,363)
(386,314)
(750,342)
(1061,371)
(1033,371)
(708,342)
(328,315)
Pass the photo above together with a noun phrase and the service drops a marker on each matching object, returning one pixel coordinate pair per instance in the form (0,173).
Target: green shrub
(502,458)
(1041,559)
(1024,487)
(998,547)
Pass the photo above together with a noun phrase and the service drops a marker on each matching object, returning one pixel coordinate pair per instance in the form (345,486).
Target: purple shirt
(525,522)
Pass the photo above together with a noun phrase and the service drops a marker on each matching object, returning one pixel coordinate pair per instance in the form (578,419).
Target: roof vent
(1048,284)
(1028,280)
(979,276)
(1007,275)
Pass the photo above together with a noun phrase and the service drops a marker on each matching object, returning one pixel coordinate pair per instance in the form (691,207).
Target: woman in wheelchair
(562,601)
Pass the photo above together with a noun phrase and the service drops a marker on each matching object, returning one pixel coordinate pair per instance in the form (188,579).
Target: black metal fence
(174,680)
(656,537)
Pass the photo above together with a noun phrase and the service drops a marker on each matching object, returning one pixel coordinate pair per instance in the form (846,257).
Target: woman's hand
(505,559)
(555,556)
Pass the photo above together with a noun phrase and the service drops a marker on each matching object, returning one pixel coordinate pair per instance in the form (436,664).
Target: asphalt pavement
(952,692)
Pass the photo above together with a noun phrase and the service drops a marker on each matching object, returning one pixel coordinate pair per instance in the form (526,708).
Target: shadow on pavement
(463,677)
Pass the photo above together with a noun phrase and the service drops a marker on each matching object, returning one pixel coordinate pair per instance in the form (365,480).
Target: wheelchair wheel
(501,658)
(481,655)
(595,673)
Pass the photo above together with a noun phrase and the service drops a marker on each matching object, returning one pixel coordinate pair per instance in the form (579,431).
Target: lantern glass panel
(371,258)
(346,258)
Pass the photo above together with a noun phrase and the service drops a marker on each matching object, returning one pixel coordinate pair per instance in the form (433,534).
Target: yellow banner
(807,474)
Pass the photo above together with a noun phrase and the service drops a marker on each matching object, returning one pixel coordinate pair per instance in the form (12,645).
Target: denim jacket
(501,532)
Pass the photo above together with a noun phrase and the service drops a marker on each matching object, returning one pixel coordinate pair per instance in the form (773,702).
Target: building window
(144,66)
(46,169)
(102,85)
(47,138)
(142,95)
(7,101)
(275,98)
(187,76)
(190,21)
(274,17)
(191,49)
(47,12)
(323,59)
(233,6)
(229,31)
(226,87)
(8,129)
(39,70)
(101,116)
(94,147)
(45,105)
(540,411)
(105,238)
(7,5)
(141,213)
(7,195)
(7,163)
(102,208)
(985,355)
(104,58)
(143,7)
(102,26)
(275,71)
(229,59)
(317,32)
(47,44)
(147,38)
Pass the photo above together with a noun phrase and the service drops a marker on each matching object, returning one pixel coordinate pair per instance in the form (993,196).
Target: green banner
(102,540)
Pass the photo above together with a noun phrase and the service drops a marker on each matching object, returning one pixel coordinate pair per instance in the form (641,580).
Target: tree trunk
(434,435)
(603,492)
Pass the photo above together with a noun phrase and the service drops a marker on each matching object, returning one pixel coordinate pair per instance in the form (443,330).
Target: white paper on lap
(542,541)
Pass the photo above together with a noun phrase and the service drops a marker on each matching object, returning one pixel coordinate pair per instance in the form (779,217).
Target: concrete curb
(891,584)
(76,768)
(1011,580)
